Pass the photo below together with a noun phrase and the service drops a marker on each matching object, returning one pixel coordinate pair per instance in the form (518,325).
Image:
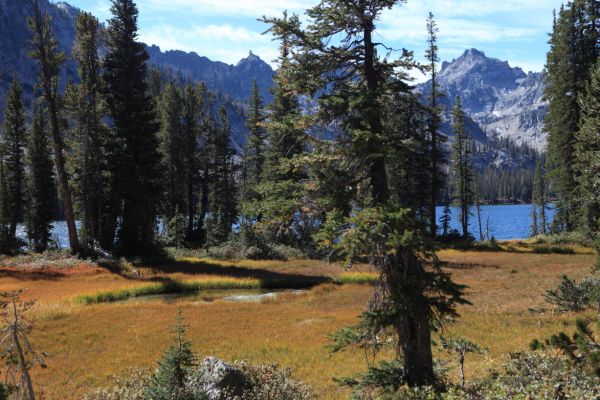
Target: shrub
(131,388)
(537,376)
(552,249)
(579,238)
(236,251)
(525,376)
(573,296)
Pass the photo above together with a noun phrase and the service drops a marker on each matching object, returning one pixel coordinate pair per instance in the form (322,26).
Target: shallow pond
(209,296)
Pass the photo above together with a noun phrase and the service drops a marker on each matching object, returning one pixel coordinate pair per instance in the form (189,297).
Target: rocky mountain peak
(503,100)
(251,59)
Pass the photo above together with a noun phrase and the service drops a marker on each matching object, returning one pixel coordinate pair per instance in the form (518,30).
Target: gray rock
(219,380)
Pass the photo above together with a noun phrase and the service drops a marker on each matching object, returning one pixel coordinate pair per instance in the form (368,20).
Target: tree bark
(30,394)
(404,274)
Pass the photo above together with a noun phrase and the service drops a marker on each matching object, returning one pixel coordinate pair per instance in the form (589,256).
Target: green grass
(552,249)
(222,283)
(168,287)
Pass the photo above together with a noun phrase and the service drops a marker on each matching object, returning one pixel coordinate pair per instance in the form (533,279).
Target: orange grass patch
(88,344)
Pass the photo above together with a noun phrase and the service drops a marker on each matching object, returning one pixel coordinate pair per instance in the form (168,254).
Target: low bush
(531,375)
(579,238)
(131,388)
(237,251)
(573,296)
(552,249)
(50,258)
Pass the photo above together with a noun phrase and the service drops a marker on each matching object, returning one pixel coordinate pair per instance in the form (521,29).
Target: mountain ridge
(501,101)
(504,101)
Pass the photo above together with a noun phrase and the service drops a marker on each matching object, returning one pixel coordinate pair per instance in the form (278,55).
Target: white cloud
(219,42)
(227,29)
(231,8)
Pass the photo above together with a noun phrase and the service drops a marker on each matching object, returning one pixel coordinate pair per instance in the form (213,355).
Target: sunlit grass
(357,278)
(90,343)
(169,287)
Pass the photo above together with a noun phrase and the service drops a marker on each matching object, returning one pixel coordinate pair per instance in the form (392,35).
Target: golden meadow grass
(90,343)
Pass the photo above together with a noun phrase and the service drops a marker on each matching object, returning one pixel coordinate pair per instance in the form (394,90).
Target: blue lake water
(512,221)
(505,222)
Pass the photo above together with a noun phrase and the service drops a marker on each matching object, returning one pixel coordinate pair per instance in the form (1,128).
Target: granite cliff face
(504,101)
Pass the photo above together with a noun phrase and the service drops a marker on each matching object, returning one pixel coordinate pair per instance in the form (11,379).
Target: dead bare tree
(15,346)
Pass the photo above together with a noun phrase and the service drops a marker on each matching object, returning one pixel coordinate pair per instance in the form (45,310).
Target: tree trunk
(63,179)
(404,274)
(462,370)
(48,76)
(30,394)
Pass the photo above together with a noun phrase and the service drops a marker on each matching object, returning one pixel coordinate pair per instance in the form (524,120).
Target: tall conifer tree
(573,51)
(193,120)
(253,165)
(136,162)
(89,138)
(172,147)
(50,59)
(337,57)
(222,205)
(281,188)
(41,192)
(461,166)
(587,152)
(434,121)
(14,143)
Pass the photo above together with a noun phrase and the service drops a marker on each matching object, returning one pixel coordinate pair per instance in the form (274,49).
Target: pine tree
(461,166)
(87,160)
(281,188)
(222,205)
(41,190)
(573,52)
(437,154)
(135,164)
(50,59)
(7,246)
(167,382)
(445,219)
(253,166)
(14,143)
(539,200)
(534,221)
(172,148)
(193,119)
(336,56)
(587,152)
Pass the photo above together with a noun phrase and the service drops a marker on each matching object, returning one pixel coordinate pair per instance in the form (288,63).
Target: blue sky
(225,30)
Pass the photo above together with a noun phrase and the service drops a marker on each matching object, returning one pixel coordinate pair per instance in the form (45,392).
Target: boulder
(221,381)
